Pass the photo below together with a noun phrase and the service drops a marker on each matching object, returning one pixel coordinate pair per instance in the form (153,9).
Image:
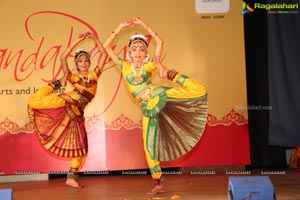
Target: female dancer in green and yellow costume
(59,118)
(174,118)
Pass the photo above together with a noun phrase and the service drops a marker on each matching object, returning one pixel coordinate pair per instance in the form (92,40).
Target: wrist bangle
(55,84)
(171,74)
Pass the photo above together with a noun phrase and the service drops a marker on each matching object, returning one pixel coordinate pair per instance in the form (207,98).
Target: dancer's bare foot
(72,177)
(73,183)
(158,189)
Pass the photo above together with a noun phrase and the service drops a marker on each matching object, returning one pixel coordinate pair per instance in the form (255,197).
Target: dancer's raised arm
(64,56)
(159,41)
(101,49)
(108,42)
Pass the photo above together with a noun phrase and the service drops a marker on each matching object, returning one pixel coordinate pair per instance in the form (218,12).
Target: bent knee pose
(59,118)
(174,118)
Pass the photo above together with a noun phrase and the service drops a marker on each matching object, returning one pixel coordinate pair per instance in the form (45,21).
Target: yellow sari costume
(174,118)
(58,118)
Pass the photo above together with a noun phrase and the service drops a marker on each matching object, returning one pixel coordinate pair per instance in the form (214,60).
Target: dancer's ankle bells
(72,178)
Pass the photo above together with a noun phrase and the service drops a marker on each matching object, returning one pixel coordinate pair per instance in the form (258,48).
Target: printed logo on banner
(246,8)
(270,8)
(211,6)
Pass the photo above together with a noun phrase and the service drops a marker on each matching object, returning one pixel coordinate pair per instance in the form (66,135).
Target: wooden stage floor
(184,186)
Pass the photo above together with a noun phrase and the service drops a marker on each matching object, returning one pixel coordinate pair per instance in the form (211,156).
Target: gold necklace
(137,76)
(85,80)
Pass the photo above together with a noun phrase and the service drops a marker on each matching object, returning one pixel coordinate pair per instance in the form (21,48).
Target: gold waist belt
(146,94)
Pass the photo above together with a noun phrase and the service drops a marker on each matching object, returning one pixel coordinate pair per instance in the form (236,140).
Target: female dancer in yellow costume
(174,118)
(59,118)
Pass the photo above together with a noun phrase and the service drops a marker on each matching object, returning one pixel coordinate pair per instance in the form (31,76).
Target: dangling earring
(128,57)
(146,59)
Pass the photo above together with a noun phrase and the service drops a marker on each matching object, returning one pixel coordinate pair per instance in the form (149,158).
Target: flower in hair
(136,37)
(78,51)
